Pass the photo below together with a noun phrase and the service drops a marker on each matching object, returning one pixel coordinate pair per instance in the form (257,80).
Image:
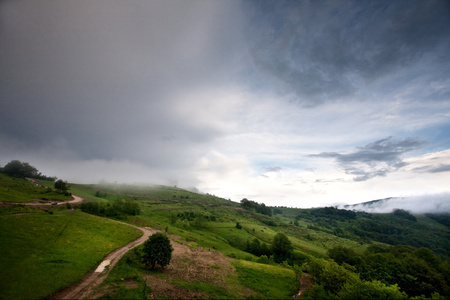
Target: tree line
(20,169)
(118,209)
(418,272)
(254,206)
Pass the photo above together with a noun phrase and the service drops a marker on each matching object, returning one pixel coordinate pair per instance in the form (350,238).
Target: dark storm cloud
(375,159)
(324,50)
(103,79)
(208,91)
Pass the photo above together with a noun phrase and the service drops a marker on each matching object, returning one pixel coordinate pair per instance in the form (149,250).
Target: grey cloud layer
(104,78)
(375,159)
(327,50)
(210,89)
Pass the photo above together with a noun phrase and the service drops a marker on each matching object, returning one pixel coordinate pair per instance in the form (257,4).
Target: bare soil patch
(130,283)
(163,287)
(306,281)
(190,265)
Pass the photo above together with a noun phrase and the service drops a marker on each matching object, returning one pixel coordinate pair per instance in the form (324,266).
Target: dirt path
(306,281)
(75,200)
(82,289)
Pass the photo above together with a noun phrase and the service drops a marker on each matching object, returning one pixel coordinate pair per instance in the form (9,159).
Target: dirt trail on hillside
(190,263)
(306,281)
(41,203)
(84,287)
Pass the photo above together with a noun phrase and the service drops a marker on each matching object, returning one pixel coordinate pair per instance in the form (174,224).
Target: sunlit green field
(42,253)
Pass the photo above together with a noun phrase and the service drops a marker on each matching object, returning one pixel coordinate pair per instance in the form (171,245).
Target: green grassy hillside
(42,253)
(211,222)
(14,189)
(208,224)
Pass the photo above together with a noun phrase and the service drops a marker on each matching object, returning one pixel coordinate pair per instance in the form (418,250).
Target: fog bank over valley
(438,204)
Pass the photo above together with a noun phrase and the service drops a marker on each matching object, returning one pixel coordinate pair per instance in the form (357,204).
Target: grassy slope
(160,204)
(270,282)
(21,190)
(314,235)
(42,253)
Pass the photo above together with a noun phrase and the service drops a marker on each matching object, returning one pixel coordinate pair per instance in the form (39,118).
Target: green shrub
(357,289)
(281,248)
(329,274)
(157,250)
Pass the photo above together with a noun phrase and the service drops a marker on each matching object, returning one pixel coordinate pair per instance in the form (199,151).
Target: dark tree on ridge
(20,169)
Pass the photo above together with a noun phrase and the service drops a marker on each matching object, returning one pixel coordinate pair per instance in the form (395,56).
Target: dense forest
(396,228)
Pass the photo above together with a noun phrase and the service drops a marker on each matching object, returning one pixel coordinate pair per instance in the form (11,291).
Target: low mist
(438,203)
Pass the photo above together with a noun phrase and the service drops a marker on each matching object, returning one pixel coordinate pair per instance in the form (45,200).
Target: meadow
(206,221)
(14,189)
(69,243)
(42,252)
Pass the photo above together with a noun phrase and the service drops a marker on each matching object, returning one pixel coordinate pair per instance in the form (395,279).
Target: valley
(222,249)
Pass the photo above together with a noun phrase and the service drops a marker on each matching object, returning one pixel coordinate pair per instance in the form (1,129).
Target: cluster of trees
(281,248)
(416,271)
(397,228)
(190,218)
(100,194)
(336,282)
(333,213)
(20,169)
(254,206)
(257,248)
(181,197)
(62,186)
(444,218)
(119,209)
(16,168)
(277,211)
(401,213)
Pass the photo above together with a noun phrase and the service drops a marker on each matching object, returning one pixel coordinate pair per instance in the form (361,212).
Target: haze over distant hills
(439,203)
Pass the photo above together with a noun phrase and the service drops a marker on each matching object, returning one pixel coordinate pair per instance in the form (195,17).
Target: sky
(288,103)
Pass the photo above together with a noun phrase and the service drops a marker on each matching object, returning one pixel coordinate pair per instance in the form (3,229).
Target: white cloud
(435,203)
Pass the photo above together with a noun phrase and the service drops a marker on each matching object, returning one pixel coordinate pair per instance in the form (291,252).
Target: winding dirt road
(84,287)
(76,200)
